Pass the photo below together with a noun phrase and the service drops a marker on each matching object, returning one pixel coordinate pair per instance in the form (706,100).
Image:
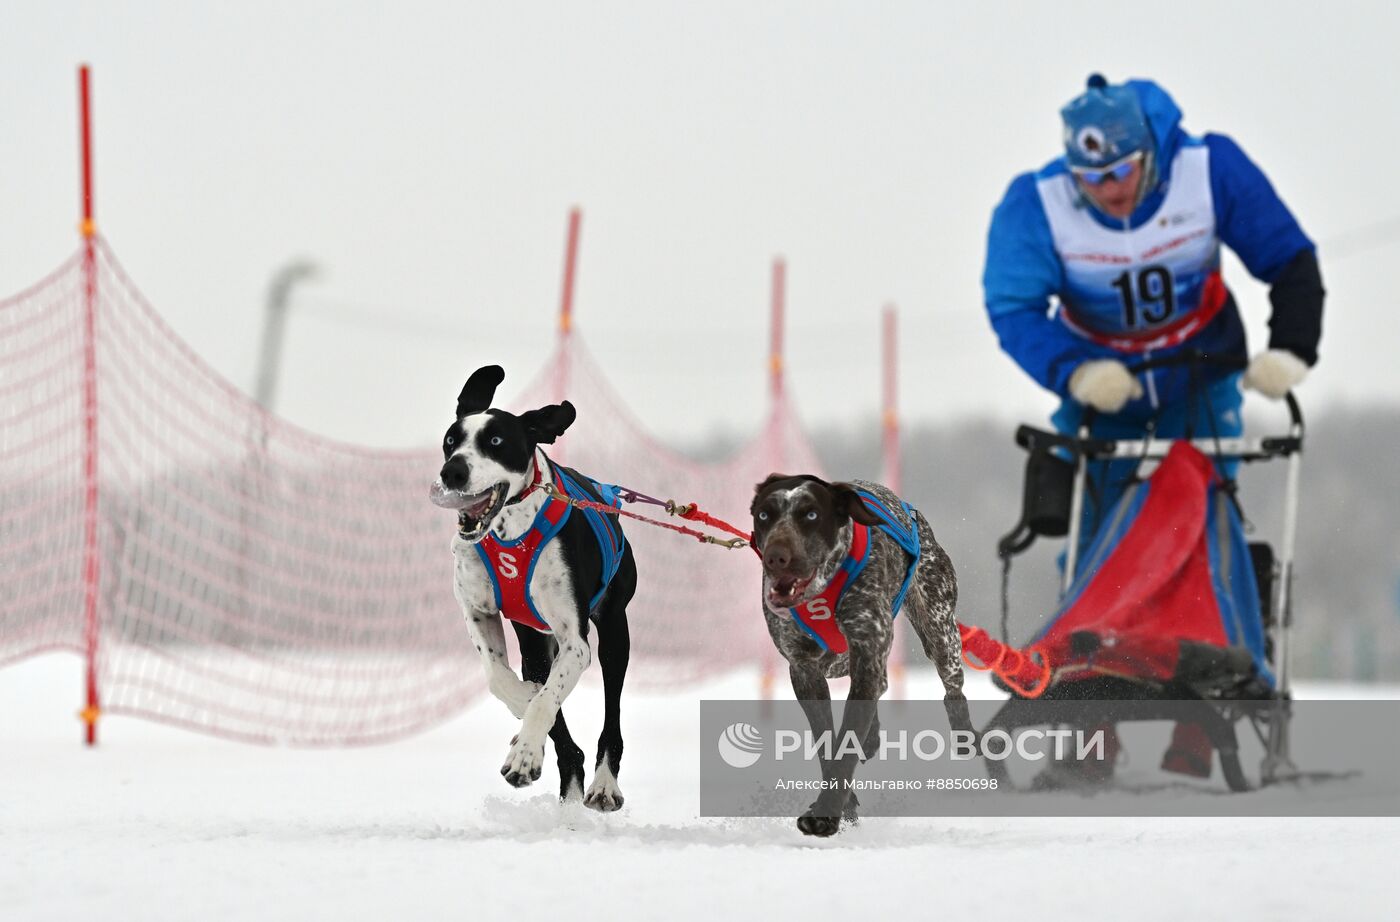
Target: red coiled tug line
(1027,674)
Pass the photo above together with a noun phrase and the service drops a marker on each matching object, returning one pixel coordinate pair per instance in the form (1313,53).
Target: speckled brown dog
(804,528)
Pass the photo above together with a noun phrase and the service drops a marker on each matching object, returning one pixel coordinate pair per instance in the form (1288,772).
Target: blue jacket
(1024,271)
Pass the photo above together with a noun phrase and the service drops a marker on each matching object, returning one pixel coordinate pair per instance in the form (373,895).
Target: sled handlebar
(1033,439)
(1188,358)
(1194,360)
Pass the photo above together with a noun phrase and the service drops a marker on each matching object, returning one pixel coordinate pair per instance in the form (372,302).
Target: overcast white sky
(426,155)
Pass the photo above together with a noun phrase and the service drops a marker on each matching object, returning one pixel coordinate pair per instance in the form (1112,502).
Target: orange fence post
(91,560)
(563,368)
(777,305)
(889,425)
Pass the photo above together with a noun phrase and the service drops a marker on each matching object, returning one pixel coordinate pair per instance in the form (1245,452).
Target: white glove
(1104,384)
(1275,373)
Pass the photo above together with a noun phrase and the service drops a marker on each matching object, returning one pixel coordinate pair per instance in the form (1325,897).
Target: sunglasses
(1117,171)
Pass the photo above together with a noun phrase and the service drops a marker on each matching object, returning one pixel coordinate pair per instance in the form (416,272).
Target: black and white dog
(840,560)
(546,566)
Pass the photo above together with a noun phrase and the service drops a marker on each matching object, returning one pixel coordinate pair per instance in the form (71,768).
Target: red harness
(511,565)
(817,615)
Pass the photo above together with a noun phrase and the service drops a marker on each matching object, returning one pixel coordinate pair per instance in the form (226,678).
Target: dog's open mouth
(787,590)
(475,511)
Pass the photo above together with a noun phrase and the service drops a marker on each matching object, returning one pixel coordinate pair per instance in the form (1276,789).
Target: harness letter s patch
(818,609)
(507,566)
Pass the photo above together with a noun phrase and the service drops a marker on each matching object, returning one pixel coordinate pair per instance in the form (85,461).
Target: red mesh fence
(246,592)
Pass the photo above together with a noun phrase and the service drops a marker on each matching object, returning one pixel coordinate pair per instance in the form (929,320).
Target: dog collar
(534,484)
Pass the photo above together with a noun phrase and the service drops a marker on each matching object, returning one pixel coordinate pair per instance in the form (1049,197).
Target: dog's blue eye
(496,440)
(812,516)
(451,441)
(763,516)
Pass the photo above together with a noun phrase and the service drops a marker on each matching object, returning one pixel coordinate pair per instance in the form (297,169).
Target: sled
(1172,614)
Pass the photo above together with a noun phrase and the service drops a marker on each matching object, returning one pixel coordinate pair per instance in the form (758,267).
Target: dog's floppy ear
(480,388)
(548,423)
(848,502)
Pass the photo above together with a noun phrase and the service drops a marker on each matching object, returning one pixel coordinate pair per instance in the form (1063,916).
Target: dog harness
(511,564)
(817,616)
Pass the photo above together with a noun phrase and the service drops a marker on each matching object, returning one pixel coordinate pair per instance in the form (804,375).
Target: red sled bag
(1167,592)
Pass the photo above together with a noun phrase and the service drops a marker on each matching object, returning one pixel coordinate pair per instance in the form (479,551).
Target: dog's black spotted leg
(860,716)
(536,654)
(870,746)
(959,717)
(814,695)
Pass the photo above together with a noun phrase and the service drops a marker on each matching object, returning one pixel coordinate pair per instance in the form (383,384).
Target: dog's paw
(603,794)
(523,763)
(812,825)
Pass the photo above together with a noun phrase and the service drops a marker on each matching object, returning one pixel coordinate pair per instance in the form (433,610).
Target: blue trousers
(1215,411)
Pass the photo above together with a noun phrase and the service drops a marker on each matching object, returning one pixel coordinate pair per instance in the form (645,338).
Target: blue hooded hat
(1104,124)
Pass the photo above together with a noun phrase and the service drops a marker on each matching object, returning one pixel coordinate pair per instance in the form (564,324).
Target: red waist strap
(1213,296)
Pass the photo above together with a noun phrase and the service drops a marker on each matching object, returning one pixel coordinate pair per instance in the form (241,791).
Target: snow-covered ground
(159,824)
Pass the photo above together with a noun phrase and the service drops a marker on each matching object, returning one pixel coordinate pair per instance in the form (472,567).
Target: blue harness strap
(607,532)
(906,536)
